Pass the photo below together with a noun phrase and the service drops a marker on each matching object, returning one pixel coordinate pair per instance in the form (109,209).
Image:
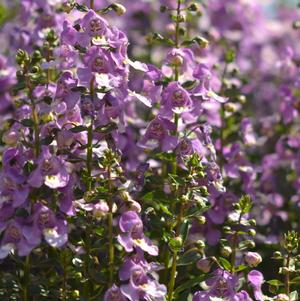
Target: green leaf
(275,282)
(189,284)
(78,129)
(225,263)
(80,89)
(296,280)
(240,268)
(27,122)
(166,156)
(47,140)
(106,129)
(189,258)
(165,209)
(81,8)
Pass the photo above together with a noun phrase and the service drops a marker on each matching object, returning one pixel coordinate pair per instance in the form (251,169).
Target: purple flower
(13,185)
(133,237)
(182,58)
(256,280)
(93,26)
(43,222)
(142,287)
(64,90)
(14,238)
(50,171)
(97,61)
(157,134)
(221,285)
(174,99)
(204,89)
(114,294)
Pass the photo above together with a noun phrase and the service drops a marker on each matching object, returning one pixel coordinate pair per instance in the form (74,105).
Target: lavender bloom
(50,171)
(174,98)
(93,26)
(13,185)
(43,222)
(133,237)
(96,60)
(222,285)
(183,58)
(114,294)
(64,91)
(14,238)
(157,134)
(256,280)
(142,287)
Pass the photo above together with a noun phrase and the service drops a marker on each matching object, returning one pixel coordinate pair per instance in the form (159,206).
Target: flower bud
(226,251)
(252,232)
(181,18)
(176,243)
(227,229)
(200,244)
(177,60)
(201,220)
(10,138)
(277,255)
(75,293)
(194,7)
(250,244)
(282,297)
(202,42)
(204,265)
(119,9)
(253,259)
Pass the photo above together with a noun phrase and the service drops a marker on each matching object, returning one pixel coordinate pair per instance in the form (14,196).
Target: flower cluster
(149,150)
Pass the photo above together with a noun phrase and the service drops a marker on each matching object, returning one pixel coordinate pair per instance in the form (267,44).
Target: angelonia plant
(149,151)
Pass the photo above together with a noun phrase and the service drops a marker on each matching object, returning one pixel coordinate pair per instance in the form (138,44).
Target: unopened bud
(10,138)
(226,251)
(277,255)
(252,232)
(176,243)
(253,259)
(204,265)
(194,7)
(119,9)
(201,220)
(200,244)
(252,222)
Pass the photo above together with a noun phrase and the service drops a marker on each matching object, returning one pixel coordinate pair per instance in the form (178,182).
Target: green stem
(287,276)
(175,253)
(26,296)
(111,251)
(234,246)
(92,4)
(89,159)
(172,277)
(171,285)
